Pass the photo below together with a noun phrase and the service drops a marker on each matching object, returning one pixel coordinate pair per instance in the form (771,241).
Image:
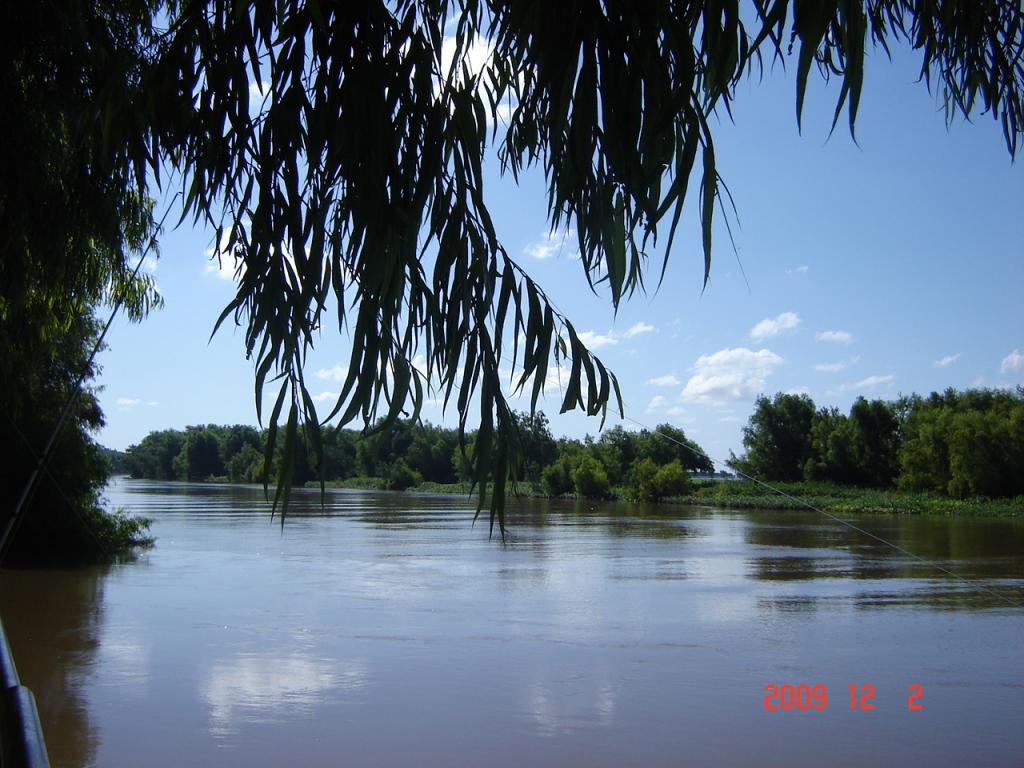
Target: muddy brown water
(385,630)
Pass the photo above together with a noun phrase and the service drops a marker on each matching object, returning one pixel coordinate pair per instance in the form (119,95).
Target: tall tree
(73,218)
(965,444)
(777,438)
(859,449)
(668,443)
(537,445)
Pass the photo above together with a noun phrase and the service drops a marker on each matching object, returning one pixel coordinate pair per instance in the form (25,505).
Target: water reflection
(128,656)
(562,706)
(53,621)
(266,688)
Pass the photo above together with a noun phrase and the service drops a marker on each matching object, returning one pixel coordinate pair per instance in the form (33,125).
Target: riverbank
(744,494)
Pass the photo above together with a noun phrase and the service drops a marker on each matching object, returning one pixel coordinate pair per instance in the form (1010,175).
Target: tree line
(961,444)
(649,465)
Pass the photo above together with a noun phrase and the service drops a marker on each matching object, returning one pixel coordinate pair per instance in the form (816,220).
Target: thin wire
(973,583)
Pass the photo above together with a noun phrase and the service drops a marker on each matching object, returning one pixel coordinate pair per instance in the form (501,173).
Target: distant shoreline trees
(957,444)
(961,444)
(650,464)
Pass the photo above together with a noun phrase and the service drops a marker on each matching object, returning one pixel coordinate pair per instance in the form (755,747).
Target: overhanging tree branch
(366,147)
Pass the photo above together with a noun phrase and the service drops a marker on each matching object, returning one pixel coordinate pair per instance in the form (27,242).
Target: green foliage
(641,480)
(965,444)
(671,480)
(844,500)
(859,449)
(557,479)
(537,445)
(231,440)
(74,218)
(339,459)
(589,479)
(117,531)
(427,447)
(64,521)
(116,461)
(200,456)
(777,438)
(667,444)
(401,476)
(154,457)
(875,440)
(618,449)
(649,482)
(462,462)
(246,466)
(73,209)
(962,444)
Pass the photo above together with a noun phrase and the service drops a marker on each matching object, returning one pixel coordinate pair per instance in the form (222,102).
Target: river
(385,630)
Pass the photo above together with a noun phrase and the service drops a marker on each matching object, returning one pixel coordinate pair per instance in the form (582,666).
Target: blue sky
(893,265)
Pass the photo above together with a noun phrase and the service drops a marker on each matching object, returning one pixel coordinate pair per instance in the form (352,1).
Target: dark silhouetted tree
(777,438)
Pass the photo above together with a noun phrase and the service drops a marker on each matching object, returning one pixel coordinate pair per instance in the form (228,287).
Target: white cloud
(505,111)
(1013,362)
(224,270)
(871,382)
(557,377)
(337,373)
(658,401)
(596,340)
(637,329)
(223,263)
(150,264)
(945,362)
(978,382)
(668,380)
(801,270)
(476,59)
(769,327)
(325,396)
(152,402)
(798,391)
(836,337)
(128,402)
(730,374)
(256,93)
(676,410)
(551,244)
(554,381)
(837,366)
(270,688)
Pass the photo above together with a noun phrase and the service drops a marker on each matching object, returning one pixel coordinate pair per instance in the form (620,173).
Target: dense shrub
(590,479)
(965,444)
(649,482)
(402,476)
(556,479)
